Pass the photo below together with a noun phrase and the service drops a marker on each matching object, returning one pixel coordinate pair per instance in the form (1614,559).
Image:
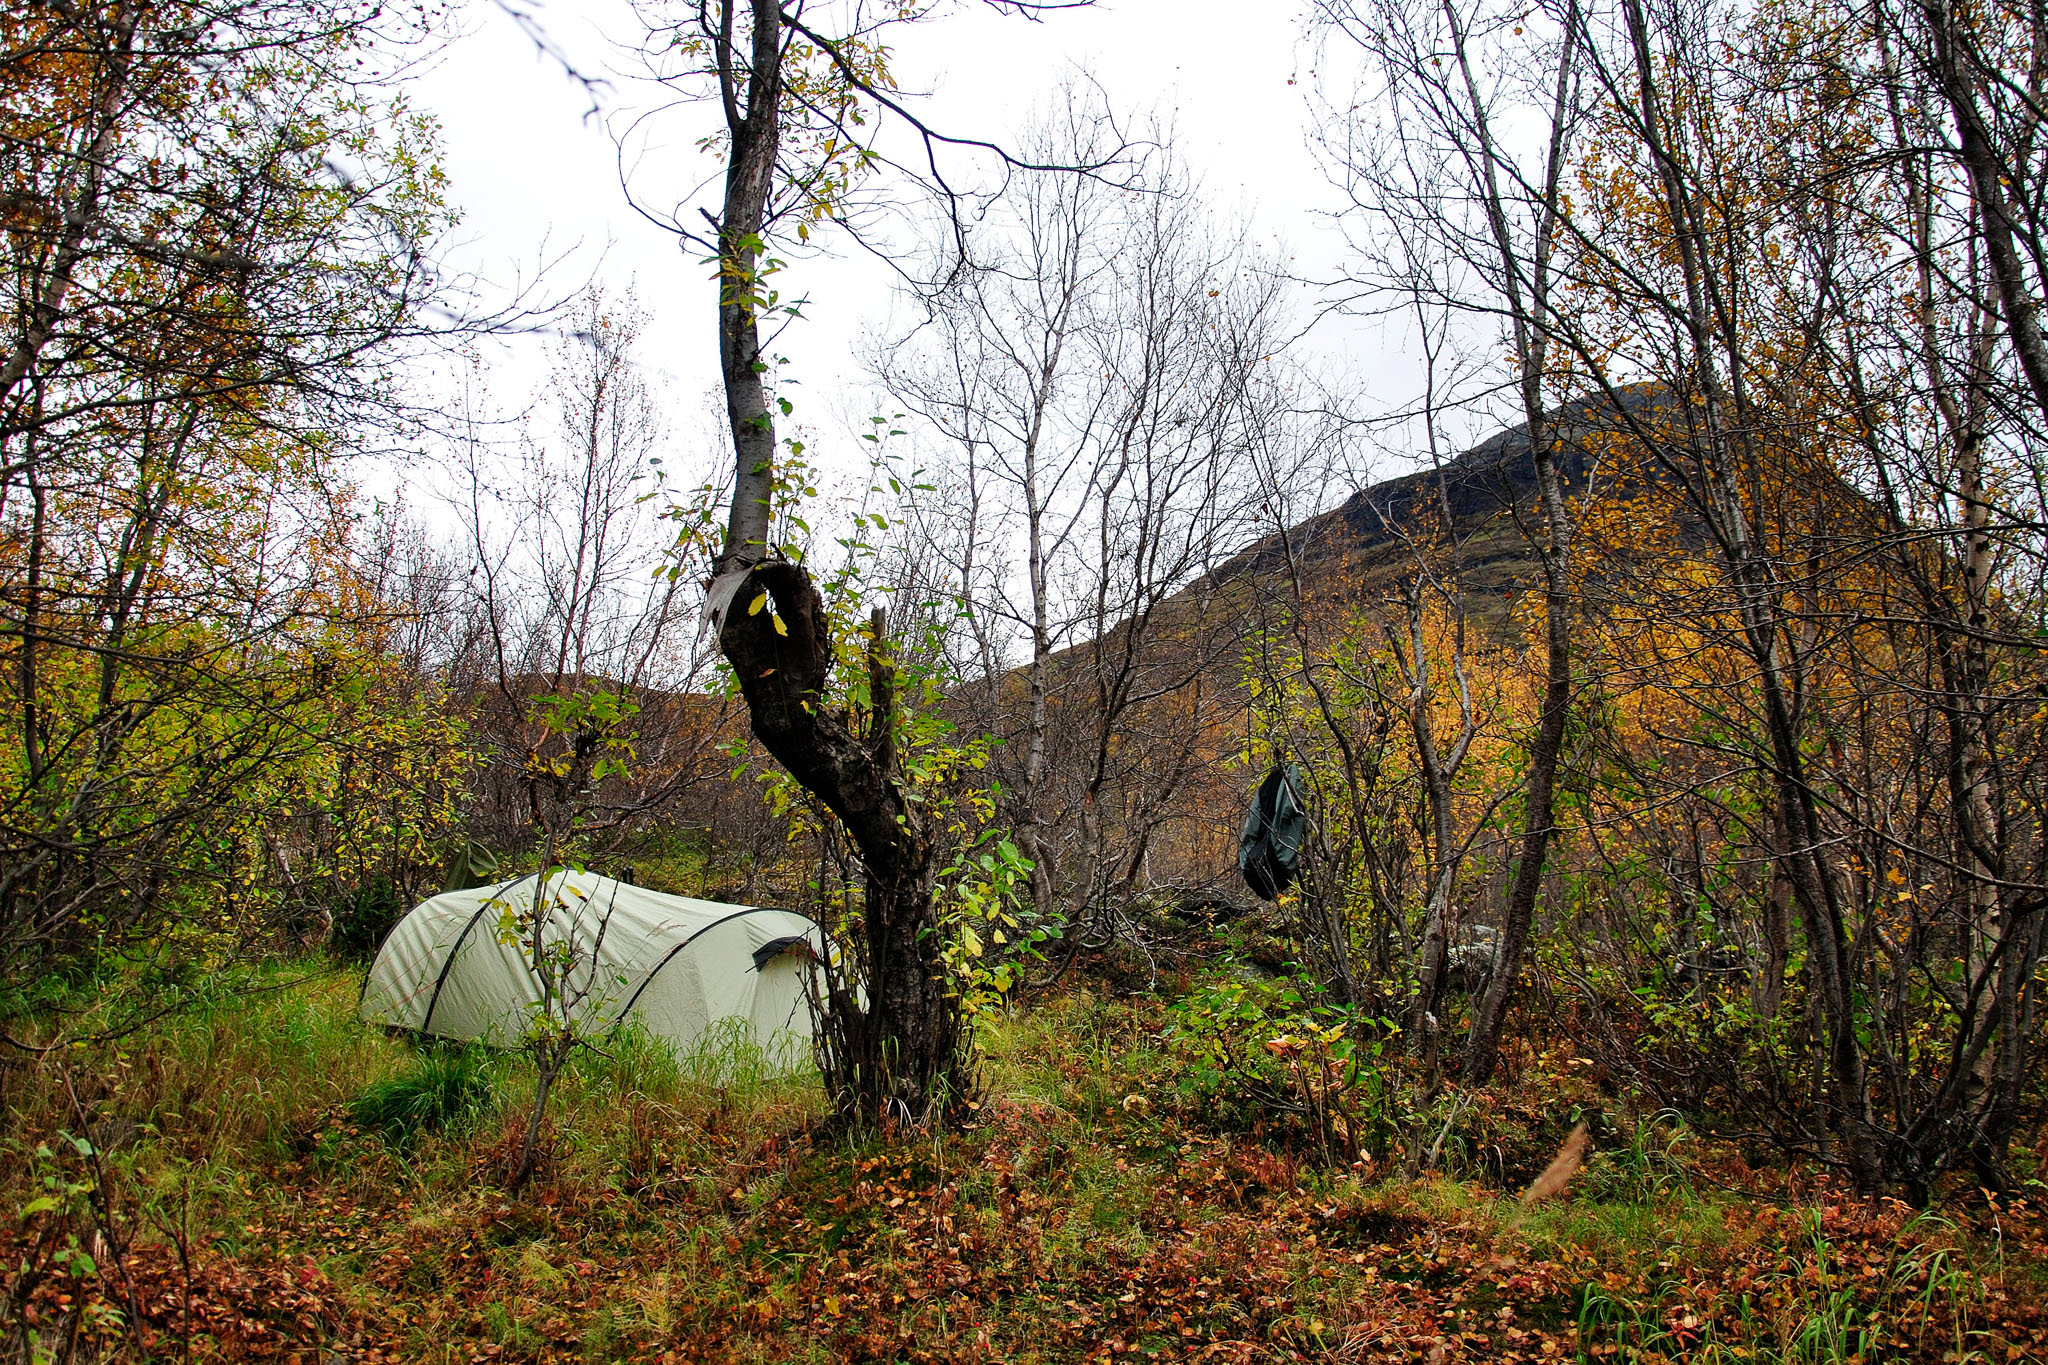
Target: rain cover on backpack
(1269,850)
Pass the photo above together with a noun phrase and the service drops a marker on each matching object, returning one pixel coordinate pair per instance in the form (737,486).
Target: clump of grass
(728,1059)
(1646,1166)
(448,1089)
(628,1061)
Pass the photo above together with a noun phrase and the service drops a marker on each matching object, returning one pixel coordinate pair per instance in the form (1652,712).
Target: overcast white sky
(535,177)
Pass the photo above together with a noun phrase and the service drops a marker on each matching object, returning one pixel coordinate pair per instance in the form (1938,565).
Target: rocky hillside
(1363,547)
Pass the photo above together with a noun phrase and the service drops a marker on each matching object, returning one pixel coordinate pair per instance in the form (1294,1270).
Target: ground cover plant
(259,1181)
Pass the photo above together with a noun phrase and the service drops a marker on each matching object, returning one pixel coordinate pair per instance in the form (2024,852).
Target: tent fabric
(677,966)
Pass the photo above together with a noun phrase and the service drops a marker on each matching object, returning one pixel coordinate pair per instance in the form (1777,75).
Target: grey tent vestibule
(679,967)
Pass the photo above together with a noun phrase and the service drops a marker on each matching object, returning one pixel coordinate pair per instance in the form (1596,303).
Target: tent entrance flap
(776,947)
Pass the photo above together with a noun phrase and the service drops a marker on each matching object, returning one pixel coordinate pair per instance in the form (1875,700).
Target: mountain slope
(1363,547)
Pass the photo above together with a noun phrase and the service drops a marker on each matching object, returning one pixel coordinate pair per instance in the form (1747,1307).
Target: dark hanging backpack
(1269,850)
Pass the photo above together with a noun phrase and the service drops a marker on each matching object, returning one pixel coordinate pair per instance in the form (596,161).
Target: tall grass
(449,1089)
(1810,1313)
(1645,1166)
(263,1052)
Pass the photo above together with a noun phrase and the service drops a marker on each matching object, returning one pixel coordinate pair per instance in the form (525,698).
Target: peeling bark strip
(903,1044)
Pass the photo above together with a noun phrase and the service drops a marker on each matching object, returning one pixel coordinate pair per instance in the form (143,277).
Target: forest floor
(227,1204)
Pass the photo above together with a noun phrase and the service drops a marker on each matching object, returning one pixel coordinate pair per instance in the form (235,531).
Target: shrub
(362,920)
(1319,1063)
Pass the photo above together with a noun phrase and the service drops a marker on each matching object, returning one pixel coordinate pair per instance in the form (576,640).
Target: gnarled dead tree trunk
(898,1052)
(794,100)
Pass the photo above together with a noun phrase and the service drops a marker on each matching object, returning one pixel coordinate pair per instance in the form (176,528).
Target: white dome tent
(675,965)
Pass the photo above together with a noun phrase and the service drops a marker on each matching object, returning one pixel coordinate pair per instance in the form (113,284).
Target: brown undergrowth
(229,1207)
